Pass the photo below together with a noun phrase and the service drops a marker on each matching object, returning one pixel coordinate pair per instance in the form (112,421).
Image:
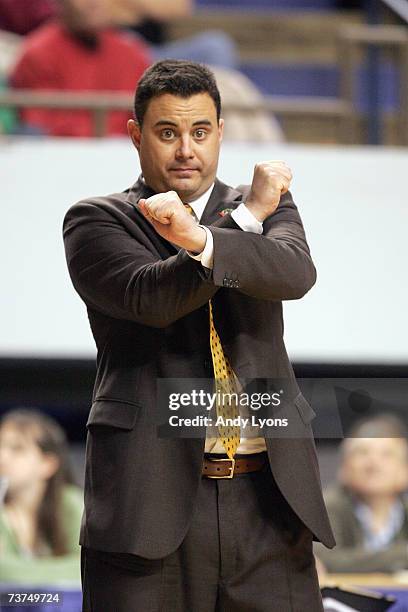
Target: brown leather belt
(214,467)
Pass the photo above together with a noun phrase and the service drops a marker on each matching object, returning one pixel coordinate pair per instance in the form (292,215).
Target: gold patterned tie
(225,387)
(226,390)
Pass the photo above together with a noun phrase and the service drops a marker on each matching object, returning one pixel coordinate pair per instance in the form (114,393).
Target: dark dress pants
(245,551)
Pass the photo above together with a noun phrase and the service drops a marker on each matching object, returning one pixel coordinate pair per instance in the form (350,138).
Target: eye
(167,134)
(200,134)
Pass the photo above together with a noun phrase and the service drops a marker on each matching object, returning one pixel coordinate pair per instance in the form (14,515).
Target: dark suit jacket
(350,554)
(147,305)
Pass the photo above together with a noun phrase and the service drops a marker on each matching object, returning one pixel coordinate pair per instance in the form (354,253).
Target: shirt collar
(381,539)
(200,203)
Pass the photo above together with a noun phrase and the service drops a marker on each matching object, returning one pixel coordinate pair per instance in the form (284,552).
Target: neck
(380,506)
(27,501)
(86,36)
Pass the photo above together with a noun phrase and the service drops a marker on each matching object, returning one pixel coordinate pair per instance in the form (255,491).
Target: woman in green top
(41,510)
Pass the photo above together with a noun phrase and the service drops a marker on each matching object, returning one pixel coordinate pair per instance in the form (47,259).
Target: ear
(220,129)
(135,132)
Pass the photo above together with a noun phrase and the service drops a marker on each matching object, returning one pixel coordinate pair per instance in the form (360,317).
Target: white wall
(353,201)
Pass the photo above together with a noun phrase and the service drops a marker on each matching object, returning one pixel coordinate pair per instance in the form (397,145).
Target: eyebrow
(165,122)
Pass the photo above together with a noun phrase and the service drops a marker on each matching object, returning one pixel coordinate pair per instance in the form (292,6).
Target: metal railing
(342,110)
(101,103)
(374,37)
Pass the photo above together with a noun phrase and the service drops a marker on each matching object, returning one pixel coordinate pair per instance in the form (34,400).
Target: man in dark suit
(183,277)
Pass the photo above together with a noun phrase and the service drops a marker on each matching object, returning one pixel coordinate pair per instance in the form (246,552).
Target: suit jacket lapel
(139,190)
(221,198)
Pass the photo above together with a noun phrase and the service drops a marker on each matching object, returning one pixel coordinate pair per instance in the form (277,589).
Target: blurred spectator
(78,52)
(41,511)
(149,18)
(249,124)
(368,509)
(8,119)
(23,16)
(9,45)
(212,47)
(133,13)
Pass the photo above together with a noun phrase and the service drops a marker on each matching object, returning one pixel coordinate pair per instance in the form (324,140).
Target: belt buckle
(232,467)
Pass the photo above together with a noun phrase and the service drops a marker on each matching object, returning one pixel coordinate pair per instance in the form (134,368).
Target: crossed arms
(116,269)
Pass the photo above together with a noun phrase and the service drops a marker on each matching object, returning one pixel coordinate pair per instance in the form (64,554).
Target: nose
(374,463)
(185,149)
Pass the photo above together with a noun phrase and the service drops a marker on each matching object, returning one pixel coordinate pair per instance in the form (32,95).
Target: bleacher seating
(269,4)
(290,48)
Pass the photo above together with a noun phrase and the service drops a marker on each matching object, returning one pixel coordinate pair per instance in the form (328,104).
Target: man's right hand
(169,217)
(271,180)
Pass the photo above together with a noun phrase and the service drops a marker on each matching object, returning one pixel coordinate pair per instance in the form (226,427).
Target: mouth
(184,170)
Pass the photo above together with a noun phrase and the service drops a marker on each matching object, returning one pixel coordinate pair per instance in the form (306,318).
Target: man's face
(375,466)
(179,144)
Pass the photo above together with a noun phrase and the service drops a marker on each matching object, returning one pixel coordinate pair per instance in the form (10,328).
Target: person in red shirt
(23,16)
(78,52)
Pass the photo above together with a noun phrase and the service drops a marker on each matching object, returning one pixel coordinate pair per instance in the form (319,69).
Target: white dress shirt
(248,223)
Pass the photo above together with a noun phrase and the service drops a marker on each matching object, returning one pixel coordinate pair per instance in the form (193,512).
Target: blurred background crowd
(307,69)
(297,71)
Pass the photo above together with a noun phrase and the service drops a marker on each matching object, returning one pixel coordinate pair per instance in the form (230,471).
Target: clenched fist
(170,218)
(271,180)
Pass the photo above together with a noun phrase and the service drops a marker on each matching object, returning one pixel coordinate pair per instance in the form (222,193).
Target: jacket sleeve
(273,266)
(120,274)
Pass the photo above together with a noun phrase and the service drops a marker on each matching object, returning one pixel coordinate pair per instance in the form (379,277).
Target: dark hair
(50,438)
(177,77)
(384,425)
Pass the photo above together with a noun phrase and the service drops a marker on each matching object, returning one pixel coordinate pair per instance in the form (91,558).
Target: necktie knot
(188,208)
